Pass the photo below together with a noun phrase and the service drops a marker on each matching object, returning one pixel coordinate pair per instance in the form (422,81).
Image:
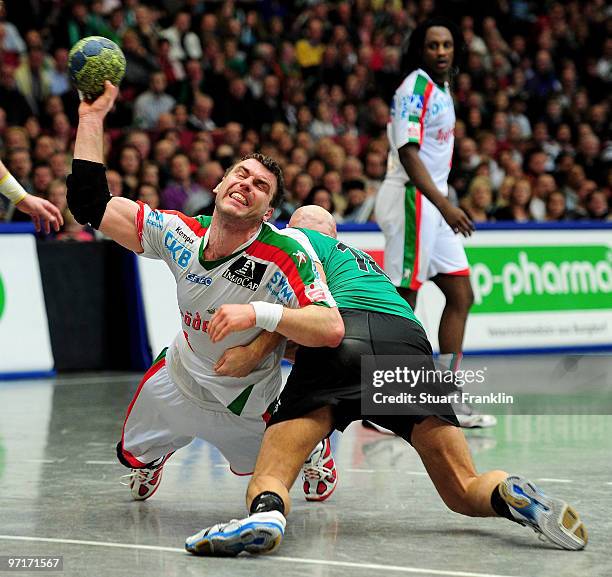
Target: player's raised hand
(101,106)
(230,319)
(44,214)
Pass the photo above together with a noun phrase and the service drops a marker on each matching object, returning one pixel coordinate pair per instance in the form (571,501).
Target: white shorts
(419,244)
(160,420)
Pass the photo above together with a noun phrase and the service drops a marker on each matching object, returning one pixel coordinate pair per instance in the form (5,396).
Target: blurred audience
(309,83)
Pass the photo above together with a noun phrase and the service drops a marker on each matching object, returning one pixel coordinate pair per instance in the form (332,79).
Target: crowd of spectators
(309,83)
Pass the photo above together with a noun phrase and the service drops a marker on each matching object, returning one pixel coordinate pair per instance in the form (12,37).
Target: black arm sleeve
(87,193)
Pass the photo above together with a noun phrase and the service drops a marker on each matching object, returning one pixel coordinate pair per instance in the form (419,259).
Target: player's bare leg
(408,295)
(446,456)
(459,297)
(284,448)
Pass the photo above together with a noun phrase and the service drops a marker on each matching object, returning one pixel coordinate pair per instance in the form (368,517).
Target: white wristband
(267,315)
(10,188)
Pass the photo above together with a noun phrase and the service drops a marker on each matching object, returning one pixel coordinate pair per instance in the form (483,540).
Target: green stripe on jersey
(204,220)
(354,278)
(209,264)
(237,405)
(420,85)
(160,356)
(293,249)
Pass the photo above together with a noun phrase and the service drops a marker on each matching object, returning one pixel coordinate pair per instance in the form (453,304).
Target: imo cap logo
(246,273)
(1,297)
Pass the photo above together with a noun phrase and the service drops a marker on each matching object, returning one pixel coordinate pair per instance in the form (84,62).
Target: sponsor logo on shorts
(183,235)
(315,293)
(155,220)
(180,254)
(278,286)
(246,273)
(194,278)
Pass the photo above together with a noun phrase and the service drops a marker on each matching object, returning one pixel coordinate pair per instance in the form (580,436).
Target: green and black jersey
(353,277)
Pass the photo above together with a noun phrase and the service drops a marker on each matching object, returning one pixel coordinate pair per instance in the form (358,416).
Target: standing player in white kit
(420,224)
(232,257)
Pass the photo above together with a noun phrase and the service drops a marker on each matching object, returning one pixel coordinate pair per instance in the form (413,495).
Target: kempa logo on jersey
(181,255)
(183,235)
(246,273)
(540,278)
(194,278)
(278,286)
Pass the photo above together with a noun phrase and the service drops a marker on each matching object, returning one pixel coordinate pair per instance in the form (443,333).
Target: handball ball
(93,60)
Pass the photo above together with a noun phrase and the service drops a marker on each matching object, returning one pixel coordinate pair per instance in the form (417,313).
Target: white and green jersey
(422,112)
(268,267)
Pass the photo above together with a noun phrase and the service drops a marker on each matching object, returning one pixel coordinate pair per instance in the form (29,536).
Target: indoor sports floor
(60,495)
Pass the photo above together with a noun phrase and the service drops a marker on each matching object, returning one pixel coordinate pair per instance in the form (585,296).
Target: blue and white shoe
(550,517)
(256,534)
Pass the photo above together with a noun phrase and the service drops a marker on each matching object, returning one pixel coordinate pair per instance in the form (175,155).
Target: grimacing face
(246,192)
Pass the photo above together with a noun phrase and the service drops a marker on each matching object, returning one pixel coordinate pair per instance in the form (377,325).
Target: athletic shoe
(319,473)
(258,533)
(370,425)
(469,418)
(550,517)
(143,482)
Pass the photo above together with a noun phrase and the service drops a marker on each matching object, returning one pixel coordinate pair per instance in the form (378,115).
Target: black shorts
(325,376)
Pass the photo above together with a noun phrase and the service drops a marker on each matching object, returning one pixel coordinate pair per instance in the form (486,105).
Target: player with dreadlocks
(418,220)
